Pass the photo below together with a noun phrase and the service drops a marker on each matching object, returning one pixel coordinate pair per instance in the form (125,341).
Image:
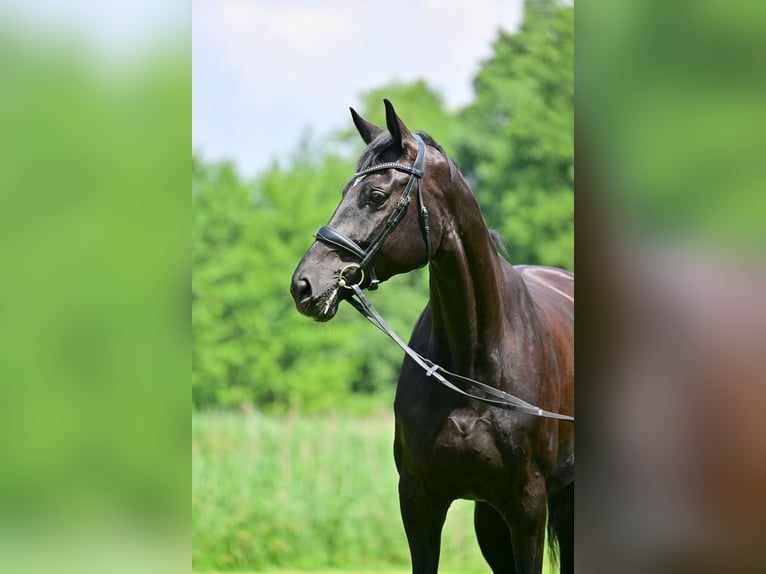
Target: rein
(362,304)
(501,399)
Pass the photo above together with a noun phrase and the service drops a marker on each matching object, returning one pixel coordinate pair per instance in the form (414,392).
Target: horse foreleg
(526,521)
(423,519)
(494,538)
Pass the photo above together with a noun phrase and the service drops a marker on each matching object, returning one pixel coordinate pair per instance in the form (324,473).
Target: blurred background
(94,243)
(94,289)
(292,425)
(671,286)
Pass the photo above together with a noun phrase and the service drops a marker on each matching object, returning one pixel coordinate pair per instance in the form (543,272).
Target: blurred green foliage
(673,108)
(94,224)
(514,143)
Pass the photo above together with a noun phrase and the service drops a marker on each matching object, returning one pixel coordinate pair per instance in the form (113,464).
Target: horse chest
(465,453)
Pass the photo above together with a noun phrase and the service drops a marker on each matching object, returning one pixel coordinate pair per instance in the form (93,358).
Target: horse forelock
(373,153)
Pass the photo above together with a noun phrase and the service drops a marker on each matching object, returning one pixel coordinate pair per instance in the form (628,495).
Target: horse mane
(499,242)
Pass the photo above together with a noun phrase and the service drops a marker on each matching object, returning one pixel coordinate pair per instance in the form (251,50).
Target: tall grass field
(313,493)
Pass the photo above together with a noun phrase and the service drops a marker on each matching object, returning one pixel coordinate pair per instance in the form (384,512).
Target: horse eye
(377,197)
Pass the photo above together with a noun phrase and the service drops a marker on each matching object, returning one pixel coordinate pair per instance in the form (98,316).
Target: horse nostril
(300,289)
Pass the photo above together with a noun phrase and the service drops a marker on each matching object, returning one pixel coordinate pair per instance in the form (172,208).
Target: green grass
(316,493)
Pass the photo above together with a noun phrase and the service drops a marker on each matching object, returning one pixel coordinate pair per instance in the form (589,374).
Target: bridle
(329,236)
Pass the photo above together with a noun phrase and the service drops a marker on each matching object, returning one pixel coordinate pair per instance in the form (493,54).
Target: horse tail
(554,548)
(561,528)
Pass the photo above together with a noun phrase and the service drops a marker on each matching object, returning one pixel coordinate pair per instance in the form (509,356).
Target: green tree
(248,344)
(517,140)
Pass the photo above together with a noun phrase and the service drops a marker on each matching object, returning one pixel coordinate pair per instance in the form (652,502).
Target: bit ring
(342,280)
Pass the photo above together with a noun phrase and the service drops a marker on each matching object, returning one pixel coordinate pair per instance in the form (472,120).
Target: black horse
(510,327)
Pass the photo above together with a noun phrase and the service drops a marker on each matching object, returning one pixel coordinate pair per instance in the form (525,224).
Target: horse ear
(396,126)
(368,130)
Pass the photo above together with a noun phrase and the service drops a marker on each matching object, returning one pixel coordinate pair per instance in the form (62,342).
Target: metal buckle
(342,279)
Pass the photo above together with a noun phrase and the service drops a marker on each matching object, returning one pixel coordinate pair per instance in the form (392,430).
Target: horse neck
(469,292)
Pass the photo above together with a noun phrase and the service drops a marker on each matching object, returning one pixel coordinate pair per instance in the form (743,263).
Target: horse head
(387,221)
